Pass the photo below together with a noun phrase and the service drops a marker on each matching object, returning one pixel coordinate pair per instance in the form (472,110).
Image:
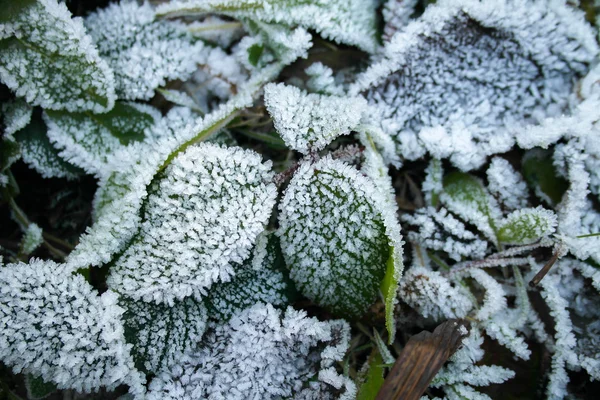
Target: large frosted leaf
(350,22)
(56,327)
(88,140)
(204,211)
(161,334)
(144,53)
(262,353)
(337,236)
(526,225)
(47,58)
(309,122)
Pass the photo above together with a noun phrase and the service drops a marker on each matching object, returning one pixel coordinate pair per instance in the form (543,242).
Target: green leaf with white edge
(16,114)
(88,140)
(336,230)
(352,22)
(527,225)
(466,196)
(37,388)
(41,40)
(309,122)
(262,278)
(38,153)
(161,334)
(373,379)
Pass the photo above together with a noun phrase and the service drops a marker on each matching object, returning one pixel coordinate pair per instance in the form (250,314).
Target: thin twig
(542,272)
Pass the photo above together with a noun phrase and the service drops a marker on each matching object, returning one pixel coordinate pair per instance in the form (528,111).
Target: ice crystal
(41,40)
(309,122)
(337,234)
(262,354)
(350,22)
(55,326)
(143,52)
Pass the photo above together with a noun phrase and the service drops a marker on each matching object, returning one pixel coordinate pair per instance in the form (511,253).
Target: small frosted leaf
(350,22)
(16,115)
(143,52)
(526,225)
(47,58)
(261,278)
(281,42)
(204,211)
(37,388)
(88,140)
(161,334)
(309,122)
(507,184)
(32,239)
(373,377)
(337,236)
(56,327)
(262,353)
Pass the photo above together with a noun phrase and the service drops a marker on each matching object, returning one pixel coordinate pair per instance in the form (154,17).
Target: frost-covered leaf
(16,115)
(55,326)
(350,22)
(507,184)
(37,388)
(180,98)
(88,140)
(542,177)
(309,122)
(143,52)
(373,379)
(161,334)
(338,233)
(262,278)
(38,153)
(321,80)
(32,239)
(204,212)
(466,196)
(41,40)
(526,225)
(285,44)
(456,81)
(396,15)
(262,353)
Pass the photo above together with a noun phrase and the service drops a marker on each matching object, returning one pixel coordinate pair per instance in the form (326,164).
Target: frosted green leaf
(309,122)
(541,175)
(88,140)
(144,53)
(38,153)
(526,225)
(350,22)
(37,388)
(204,212)
(47,58)
(337,236)
(55,326)
(373,377)
(466,196)
(162,334)
(261,278)
(32,239)
(284,44)
(16,115)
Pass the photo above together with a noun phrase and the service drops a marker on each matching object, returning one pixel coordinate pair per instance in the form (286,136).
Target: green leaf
(373,379)
(540,174)
(11,9)
(527,225)
(162,333)
(389,288)
(254,53)
(46,58)
(37,388)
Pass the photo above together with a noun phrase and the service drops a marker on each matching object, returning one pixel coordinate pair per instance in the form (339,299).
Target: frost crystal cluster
(287,192)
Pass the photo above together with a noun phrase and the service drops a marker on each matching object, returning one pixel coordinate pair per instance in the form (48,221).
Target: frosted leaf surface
(338,232)
(309,122)
(204,211)
(322,81)
(32,239)
(162,334)
(42,40)
(507,184)
(350,22)
(56,326)
(526,225)
(262,353)
(261,278)
(396,15)
(16,115)
(143,52)
(88,140)
(456,78)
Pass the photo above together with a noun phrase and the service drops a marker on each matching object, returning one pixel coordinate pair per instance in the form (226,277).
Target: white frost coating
(203,212)
(432,295)
(39,154)
(309,122)
(350,22)
(494,300)
(143,52)
(261,354)
(507,184)
(470,70)
(526,225)
(217,30)
(396,15)
(162,334)
(55,326)
(337,233)
(44,42)
(32,239)
(16,115)
(321,80)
